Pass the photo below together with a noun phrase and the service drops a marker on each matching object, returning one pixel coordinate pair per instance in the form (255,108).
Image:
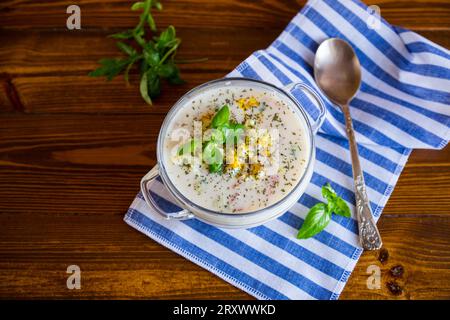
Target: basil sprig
(221,131)
(320,214)
(335,203)
(154,55)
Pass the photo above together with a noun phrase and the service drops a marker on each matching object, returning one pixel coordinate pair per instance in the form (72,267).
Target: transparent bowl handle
(146,182)
(316,123)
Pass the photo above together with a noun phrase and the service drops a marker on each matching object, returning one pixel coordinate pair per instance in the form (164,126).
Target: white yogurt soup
(236,149)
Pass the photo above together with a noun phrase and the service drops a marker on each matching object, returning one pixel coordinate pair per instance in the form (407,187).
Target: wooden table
(73,148)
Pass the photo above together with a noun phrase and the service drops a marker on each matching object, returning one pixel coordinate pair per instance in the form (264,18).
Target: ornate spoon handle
(369,236)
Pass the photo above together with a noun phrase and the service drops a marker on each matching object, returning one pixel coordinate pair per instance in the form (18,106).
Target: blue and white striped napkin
(404,103)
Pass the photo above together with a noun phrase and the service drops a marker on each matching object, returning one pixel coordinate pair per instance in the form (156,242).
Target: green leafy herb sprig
(155,57)
(320,214)
(222,130)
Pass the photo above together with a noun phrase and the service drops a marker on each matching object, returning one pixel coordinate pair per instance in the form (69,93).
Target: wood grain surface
(73,148)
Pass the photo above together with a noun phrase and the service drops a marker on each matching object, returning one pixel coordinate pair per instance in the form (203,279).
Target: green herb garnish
(221,130)
(320,214)
(213,154)
(189,147)
(154,57)
(335,203)
(215,167)
(221,118)
(232,130)
(214,135)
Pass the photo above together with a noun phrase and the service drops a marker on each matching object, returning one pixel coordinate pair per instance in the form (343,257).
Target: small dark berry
(397,271)
(394,288)
(383,255)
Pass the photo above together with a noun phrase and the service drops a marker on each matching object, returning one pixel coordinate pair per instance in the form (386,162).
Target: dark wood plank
(82,94)
(7,96)
(441,37)
(54,78)
(419,14)
(429,158)
(117,262)
(49,53)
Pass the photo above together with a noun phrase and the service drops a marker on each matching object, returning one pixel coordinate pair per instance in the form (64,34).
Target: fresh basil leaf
(138,31)
(137,5)
(222,116)
(167,70)
(154,84)
(335,203)
(164,47)
(238,131)
(182,61)
(328,192)
(126,48)
(143,68)
(170,33)
(175,77)
(151,23)
(237,126)
(227,131)
(216,167)
(166,36)
(170,72)
(139,37)
(212,153)
(189,147)
(232,131)
(158,5)
(214,135)
(320,214)
(109,68)
(128,34)
(151,55)
(317,219)
(209,151)
(143,88)
(341,208)
(127,71)
(147,5)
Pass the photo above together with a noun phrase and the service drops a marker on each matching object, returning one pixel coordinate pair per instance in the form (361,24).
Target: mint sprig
(319,215)
(155,57)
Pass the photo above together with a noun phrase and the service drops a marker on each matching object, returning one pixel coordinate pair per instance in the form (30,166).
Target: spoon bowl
(337,70)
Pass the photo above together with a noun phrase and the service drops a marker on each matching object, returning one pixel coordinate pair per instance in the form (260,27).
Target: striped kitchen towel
(404,103)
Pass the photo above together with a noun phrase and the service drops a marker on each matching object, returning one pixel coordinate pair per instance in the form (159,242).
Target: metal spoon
(338,74)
